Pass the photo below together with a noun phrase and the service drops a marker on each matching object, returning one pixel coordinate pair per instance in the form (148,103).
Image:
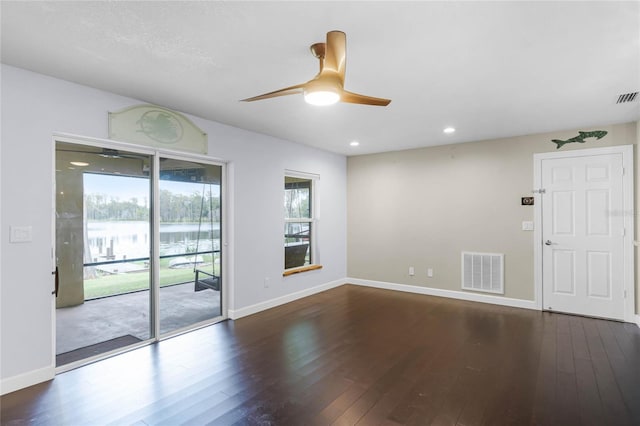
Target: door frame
(628,219)
(175,155)
(226,246)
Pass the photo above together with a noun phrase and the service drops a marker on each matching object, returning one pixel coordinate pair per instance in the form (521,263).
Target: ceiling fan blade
(335,57)
(354,98)
(333,63)
(298,88)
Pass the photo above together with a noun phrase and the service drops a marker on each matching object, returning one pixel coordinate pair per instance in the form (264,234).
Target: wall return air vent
(627,97)
(483,272)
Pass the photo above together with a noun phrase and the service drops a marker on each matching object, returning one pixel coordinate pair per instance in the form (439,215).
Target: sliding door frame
(154,288)
(223,238)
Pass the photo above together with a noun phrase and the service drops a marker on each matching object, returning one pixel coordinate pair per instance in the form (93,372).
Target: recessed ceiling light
(79,163)
(354,143)
(449,130)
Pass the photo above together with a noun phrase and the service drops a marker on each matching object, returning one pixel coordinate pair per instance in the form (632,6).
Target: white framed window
(300,220)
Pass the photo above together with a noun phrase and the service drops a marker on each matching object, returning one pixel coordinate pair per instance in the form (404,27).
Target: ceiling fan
(327,87)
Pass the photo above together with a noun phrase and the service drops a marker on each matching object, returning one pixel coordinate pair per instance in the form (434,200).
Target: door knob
(548,242)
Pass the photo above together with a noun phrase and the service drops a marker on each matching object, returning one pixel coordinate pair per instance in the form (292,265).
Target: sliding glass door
(190,269)
(105,244)
(102,250)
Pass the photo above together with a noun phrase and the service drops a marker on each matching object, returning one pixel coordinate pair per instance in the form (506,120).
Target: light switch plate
(527,225)
(20,234)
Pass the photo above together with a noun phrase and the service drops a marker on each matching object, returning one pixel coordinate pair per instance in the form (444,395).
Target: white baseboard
(31,378)
(258,307)
(638,320)
(462,295)
(473,297)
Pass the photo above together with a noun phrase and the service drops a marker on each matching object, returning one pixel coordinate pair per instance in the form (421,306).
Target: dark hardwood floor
(355,355)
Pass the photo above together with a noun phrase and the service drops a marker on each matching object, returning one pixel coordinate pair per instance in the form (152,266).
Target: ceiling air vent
(627,97)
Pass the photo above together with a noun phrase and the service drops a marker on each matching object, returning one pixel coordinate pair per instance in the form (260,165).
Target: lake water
(131,239)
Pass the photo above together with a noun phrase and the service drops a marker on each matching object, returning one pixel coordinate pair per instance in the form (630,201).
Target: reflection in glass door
(102,250)
(190,243)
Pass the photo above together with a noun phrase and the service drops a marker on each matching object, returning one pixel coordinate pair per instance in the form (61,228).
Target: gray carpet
(109,318)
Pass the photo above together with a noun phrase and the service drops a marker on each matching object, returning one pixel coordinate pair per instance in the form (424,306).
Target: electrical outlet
(412,271)
(430,272)
(266,283)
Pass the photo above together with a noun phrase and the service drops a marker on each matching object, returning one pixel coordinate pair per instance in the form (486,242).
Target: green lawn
(109,285)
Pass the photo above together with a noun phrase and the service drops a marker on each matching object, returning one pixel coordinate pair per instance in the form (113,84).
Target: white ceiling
(490,69)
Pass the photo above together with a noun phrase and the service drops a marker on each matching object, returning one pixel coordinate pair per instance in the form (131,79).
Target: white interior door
(583,230)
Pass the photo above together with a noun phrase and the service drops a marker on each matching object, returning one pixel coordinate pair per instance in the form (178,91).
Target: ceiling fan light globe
(321,97)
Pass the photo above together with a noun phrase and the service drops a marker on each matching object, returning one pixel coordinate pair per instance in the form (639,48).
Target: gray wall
(423,207)
(35,106)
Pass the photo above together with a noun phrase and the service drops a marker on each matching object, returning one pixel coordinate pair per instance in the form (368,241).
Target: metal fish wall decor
(598,134)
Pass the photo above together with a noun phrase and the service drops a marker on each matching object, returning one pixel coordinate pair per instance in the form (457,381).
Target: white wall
(35,106)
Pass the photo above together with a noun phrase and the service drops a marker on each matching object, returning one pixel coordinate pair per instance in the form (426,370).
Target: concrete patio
(108,318)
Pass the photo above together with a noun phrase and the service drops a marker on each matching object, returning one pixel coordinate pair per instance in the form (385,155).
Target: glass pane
(297,247)
(297,198)
(102,250)
(190,242)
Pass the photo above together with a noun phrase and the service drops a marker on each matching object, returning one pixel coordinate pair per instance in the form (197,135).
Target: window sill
(306,268)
